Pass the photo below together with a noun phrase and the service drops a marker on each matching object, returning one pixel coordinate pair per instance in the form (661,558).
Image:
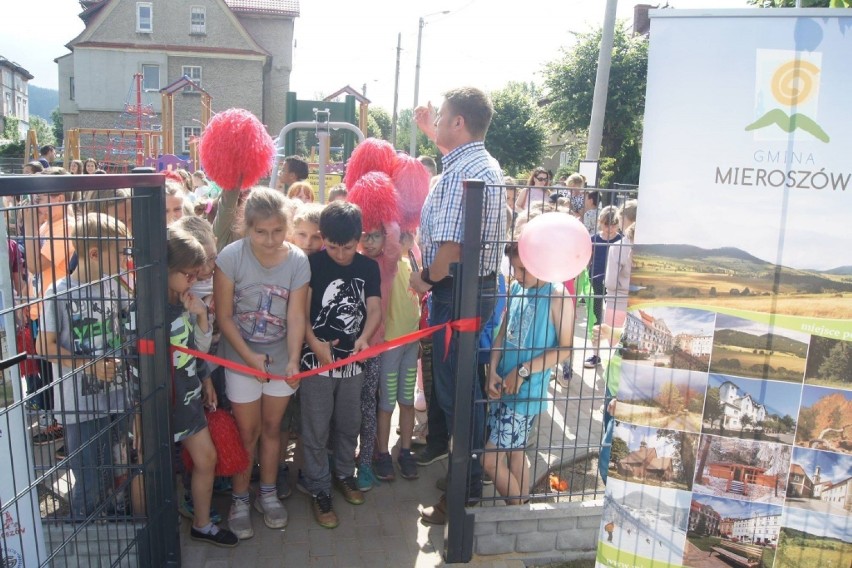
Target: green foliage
(670,399)
(10,129)
(13,150)
(379,121)
(403,135)
(570,80)
(713,405)
(58,128)
(619,450)
(44,131)
(837,366)
(807,424)
(517,136)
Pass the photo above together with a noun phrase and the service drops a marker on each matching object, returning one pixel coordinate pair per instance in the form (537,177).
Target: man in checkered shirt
(458,129)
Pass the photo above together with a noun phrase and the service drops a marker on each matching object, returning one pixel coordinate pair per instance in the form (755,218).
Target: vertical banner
(732,443)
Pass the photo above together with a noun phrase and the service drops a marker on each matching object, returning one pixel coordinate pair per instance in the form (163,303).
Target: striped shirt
(442,219)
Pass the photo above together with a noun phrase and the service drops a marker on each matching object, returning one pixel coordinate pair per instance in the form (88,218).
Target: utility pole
(396,90)
(593,147)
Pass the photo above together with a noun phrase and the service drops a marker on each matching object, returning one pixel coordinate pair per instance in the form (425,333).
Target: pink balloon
(555,247)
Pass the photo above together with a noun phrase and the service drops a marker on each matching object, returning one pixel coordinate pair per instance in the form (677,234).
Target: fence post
(458,532)
(163,538)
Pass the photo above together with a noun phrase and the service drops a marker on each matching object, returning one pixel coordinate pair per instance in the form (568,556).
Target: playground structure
(137,140)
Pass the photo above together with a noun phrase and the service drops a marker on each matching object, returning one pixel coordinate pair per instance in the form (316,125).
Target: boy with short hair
(344,309)
(306,231)
(83,339)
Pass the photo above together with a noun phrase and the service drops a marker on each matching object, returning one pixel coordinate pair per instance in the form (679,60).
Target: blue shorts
(509,430)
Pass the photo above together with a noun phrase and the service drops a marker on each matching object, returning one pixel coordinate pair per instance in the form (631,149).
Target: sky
(684,320)
(338,42)
(724,321)
(634,435)
(831,526)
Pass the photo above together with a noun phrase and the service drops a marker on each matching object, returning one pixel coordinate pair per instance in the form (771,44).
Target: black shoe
(223,538)
(429,455)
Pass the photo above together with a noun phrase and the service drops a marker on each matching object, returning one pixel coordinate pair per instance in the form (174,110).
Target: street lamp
(422,22)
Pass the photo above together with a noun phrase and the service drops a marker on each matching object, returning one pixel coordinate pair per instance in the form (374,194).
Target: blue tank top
(529,332)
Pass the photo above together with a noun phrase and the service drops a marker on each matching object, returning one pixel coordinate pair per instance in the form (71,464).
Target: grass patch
(582,563)
(705,543)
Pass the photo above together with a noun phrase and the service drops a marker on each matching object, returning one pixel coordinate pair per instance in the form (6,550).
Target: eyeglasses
(541,178)
(190,276)
(372,237)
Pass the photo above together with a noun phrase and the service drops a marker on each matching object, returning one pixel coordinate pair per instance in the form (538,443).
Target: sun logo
(793,85)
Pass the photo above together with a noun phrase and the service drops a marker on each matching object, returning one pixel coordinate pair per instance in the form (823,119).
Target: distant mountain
(751,341)
(840,271)
(734,262)
(43,101)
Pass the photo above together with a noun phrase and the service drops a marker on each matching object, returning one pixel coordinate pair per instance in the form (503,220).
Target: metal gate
(85,485)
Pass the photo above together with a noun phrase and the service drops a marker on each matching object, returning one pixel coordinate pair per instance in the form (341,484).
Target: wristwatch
(523,372)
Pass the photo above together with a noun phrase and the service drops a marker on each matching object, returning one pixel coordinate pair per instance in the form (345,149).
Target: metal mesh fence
(542,440)
(78,398)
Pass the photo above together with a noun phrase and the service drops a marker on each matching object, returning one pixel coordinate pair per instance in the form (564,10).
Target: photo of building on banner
(732,440)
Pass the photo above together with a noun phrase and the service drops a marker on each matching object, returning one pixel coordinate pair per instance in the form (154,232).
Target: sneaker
(348,487)
(60,454)
(222,537)
(283,481)
(428,456)
(49,434)
(407,465)
(187,511)
(436,514)
(419,401)
(366,479)
(323,513)
(239,519)
(384,467)
(274,513)
(563,379)
(486,479)
(592,362)
(418,437)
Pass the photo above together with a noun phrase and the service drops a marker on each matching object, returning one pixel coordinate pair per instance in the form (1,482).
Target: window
(194,73)
(71,91)
(188,133)
(144,17)
(7,110)
(151,77)
(198,20)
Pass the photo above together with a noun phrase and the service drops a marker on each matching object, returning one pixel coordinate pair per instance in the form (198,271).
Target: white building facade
(737,404)
(14,95)
(757,530)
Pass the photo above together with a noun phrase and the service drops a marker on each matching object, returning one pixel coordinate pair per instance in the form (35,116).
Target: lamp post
(422,22)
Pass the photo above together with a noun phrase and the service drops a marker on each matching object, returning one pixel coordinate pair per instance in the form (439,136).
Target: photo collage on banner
(732,441)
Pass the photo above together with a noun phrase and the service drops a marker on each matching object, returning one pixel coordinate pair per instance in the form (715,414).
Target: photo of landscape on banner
(732,440)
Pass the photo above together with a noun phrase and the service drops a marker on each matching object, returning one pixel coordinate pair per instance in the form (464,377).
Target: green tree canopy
(379,119)
(570,82)
(619,450)
(44,131)
(838,365)
(58,126)
(517,136)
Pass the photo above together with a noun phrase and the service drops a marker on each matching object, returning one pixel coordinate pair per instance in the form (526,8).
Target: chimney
(816,475)
(641,22)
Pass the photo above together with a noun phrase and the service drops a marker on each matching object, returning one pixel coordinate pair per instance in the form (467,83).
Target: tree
(837,366)
(807,424)
(379,119)
(403,135)
(58,128)
(683,457)
(745,421)
(570,80)
(670,399)
(517,135)
(618,451)
(713,406)
(44,131)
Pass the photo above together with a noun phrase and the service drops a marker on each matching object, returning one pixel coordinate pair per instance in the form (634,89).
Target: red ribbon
(467,325)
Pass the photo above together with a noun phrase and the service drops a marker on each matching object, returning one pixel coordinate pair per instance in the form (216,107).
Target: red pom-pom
(172,175)
(232,456)
(236,150)
(375,195)
(411,179)
(371,155)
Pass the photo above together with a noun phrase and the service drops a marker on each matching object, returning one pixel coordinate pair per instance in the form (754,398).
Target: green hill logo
(794,84)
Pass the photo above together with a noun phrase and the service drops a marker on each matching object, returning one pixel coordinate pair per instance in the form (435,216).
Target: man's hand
(417,283)
(105,370)
(425,118)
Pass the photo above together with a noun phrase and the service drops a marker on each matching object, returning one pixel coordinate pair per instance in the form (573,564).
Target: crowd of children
(278,284)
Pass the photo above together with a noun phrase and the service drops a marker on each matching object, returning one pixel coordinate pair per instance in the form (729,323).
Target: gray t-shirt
(87,322)
(261,298)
